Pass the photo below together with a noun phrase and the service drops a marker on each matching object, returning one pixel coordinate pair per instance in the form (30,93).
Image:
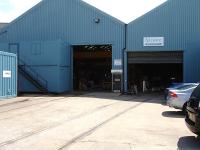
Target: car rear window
(196,93)
(184,87)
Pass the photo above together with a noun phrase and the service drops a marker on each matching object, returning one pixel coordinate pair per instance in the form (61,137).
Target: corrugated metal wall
(3,25)
(50,59)
(70,21)
(8,75)
(46,58)
(178,21)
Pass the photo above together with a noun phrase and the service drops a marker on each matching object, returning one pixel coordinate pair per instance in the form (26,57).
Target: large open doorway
(154,69)
(92,66)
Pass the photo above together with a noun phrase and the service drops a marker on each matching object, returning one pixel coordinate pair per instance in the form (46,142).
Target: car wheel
(184,108)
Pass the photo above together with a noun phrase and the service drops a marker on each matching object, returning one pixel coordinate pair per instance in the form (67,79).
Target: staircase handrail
(31,71)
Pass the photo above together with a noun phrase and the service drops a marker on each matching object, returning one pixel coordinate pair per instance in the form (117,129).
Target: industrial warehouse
(65,46)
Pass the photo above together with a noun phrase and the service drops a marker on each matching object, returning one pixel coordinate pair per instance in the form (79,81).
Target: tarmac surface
(93,121)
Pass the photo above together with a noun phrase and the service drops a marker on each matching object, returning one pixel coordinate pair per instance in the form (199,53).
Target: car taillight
(172,94)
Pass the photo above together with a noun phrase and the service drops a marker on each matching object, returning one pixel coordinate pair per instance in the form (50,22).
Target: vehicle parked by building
(192,118)
(178,96)
(174,86)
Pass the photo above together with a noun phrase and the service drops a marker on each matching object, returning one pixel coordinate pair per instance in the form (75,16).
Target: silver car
(178,97)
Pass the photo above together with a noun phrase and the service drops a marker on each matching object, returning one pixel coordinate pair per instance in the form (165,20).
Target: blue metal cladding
(69,21)
(49,59)
(72,21)
(178,21)
(8,75)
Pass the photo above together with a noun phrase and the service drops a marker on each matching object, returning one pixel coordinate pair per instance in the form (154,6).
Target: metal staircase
(31,75)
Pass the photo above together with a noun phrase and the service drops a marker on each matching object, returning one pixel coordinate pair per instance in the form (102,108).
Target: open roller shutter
(155,57)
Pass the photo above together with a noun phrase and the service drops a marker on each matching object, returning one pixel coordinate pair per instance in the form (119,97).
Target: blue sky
(6,6)
(124,10)
(11,9)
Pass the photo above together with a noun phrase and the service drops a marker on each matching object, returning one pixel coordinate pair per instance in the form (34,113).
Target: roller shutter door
(155,57)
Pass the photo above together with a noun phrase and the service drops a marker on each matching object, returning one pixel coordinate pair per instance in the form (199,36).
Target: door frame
(72,58)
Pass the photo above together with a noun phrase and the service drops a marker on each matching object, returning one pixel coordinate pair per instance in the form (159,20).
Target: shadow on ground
(147,97)
(189,143)
(173,114)
(157,98)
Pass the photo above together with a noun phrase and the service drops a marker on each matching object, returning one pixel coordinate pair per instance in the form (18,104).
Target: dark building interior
(92,68)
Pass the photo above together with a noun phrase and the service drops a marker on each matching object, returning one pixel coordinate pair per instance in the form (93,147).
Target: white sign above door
(153,41)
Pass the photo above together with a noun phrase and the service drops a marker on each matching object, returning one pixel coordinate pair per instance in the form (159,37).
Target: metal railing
(33,73)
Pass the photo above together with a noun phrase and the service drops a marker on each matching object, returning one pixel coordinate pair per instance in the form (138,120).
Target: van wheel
(184,108)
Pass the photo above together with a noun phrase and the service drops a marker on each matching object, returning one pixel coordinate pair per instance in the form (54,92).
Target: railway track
(82,135)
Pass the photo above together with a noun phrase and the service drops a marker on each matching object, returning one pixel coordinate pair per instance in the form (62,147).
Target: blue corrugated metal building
(176,26)
(45,36)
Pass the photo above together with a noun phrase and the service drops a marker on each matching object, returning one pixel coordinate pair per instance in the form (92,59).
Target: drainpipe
(124,51)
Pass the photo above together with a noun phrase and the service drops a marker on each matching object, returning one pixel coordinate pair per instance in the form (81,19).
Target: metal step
(39,82)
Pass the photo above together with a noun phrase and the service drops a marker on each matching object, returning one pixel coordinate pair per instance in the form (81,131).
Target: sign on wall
(7,74)
(114,71)
(117,62)
(153,41)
